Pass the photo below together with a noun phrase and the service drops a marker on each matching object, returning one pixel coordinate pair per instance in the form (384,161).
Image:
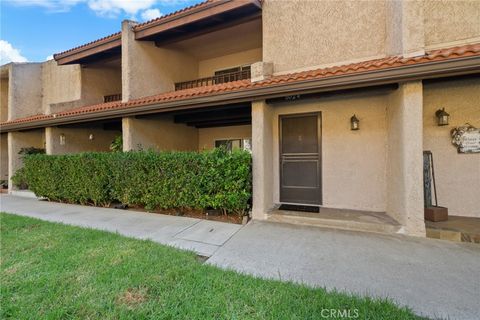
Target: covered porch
(190,130)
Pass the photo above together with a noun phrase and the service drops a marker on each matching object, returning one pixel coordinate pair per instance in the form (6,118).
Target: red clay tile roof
(108,38)
(377,64)
(173,14)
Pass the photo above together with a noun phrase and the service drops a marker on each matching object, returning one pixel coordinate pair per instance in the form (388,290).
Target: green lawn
(53,271)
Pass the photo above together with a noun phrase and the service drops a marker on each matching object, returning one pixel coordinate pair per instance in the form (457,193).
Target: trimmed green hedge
(157,180)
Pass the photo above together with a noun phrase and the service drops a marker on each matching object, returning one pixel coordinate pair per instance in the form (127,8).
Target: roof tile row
(377,64)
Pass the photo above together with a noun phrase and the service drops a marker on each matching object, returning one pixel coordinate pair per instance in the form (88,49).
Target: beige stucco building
(283,79)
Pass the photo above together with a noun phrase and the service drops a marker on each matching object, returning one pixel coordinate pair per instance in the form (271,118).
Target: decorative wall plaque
(466,138)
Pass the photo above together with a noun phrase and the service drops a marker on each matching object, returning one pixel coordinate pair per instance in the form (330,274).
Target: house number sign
(466,138)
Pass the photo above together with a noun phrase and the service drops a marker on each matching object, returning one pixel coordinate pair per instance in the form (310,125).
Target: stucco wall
(149,70)
(4,156)
(98,82)
(457,175)
(77,139)
(3,99)
(60,84)
(404,28)
(24,90)
(159,133)
(299,34)
(17,141)
(353,162)
(448,21)
(207,136)
(207,68)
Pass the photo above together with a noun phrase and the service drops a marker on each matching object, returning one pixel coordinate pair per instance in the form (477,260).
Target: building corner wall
(24,90)
(404,157)
(262,159)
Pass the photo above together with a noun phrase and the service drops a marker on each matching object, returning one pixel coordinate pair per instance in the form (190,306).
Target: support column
(4,156)
(262,159)
(17,141)
(404,157)
(128,134)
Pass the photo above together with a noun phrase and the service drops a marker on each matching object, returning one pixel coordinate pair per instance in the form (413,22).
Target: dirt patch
(132,297)
(193,213)
(201,259)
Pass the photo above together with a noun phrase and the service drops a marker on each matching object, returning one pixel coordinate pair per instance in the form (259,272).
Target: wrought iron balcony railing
(112,97)
(221,78)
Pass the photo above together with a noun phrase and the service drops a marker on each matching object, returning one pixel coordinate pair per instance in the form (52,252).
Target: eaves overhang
(428,70)
(203,17)
(104,48)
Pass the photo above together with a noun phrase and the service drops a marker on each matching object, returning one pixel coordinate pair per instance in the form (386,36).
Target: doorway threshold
(344,219)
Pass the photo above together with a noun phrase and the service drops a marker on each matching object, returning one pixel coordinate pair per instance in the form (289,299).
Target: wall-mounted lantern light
(442,117)
(354,123)
(91,137)
(62,139)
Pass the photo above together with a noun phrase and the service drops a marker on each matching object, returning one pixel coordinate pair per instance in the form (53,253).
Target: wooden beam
(210,10)
(219,122)
(223,124)
(214,115)
(201,31)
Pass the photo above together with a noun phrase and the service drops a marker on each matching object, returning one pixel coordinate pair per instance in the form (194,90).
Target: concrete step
(456,228)
(353,220)
(23,193)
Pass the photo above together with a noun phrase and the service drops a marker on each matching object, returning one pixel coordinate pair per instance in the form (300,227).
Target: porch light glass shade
(442,117)
(62,139)
(91,137)
(354,123)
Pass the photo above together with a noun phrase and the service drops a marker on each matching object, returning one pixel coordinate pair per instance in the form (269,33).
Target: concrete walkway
(435,278)
(202,236)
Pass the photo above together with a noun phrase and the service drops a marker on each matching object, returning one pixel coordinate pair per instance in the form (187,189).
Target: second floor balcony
(222,76)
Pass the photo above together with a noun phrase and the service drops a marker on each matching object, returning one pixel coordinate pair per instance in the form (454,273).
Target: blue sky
(32,30)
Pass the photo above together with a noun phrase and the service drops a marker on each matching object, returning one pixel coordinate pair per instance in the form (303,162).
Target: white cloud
(50,57)
(104,8)
(50,5)
(150,14)
(112,8)
(9,54)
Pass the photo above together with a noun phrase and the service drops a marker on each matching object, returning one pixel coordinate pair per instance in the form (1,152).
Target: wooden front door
(300,159)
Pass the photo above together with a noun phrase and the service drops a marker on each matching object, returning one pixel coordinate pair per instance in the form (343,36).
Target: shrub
(31,150)
(117,144)
(157,180)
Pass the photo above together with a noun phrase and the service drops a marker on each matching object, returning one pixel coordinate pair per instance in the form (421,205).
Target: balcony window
(234,144)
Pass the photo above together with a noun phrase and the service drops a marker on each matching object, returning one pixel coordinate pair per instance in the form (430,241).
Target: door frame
(319,141)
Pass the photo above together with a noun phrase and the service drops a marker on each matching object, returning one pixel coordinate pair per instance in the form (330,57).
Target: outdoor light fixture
(442,117)
(62,139)
(354,123)
(91,137)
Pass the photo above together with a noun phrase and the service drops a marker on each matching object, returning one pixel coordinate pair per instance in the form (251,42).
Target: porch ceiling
(222,42)
(217,116)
